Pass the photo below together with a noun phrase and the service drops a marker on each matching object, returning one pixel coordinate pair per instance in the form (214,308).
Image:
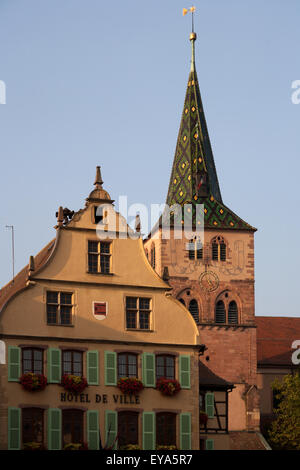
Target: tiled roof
(241,440)
(194,177)
(208,379)
(275,336)
(20,280)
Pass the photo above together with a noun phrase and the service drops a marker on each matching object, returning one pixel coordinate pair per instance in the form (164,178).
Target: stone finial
(60,216)
(98,180)
(31,264)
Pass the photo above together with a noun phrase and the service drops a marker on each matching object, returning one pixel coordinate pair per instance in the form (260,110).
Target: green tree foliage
(284,433)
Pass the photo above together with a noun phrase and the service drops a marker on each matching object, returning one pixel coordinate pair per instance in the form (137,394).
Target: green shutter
(54,365)
(209,444)
(92,418)
(148,364)
(14,428)
(54,429)
(14,363)
(149,430)
(185,431)
(185,371)
(210,404)
(92,368)
(110,360)
(111,428)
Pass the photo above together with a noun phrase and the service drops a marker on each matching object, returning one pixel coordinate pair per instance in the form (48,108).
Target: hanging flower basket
(33,382)
(74,383)
(130,385)
(168,386)
(203,418)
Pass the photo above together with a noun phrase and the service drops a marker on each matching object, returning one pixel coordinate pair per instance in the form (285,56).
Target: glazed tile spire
(194,175)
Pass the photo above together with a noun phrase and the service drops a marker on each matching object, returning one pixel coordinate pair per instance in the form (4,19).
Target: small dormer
(97,198)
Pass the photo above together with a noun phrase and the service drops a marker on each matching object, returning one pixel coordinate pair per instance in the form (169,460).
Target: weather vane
(192,10)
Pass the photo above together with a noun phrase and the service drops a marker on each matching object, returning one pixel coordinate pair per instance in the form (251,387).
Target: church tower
(211,272)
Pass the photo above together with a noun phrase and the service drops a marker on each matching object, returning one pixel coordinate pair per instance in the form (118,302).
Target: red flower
(33,382)
(168,386)
(74,383)
(130,385)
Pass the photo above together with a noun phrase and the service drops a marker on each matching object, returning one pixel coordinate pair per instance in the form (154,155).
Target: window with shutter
(215,252)
(54,429)
(193,309)
(152,256)
(209,444)
(92,368)
(222,252)
(191,249)
(185,431)
(185,371)
(14,363)
(54,365)
(220,313)
(149,440)
(14,428)
(218,247)
(148,364)
(110,373)
(111,428)
(232,312)
(210,404)
(92,421)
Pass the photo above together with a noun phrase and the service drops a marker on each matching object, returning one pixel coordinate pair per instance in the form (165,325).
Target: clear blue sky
(93,82)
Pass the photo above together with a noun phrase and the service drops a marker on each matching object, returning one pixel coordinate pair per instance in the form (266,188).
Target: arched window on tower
(195,249)
(220,312)
(152,254)
(218,249)
(232,312)
(226,309)
(194,311)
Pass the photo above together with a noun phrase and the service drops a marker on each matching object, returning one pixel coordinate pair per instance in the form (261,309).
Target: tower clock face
(209,281)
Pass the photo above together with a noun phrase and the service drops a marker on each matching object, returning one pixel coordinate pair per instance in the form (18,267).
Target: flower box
(76,446)
(34,446)
(73,383)
(130,385)
(33,382)
(168,386)
(170,447)
(130,447)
